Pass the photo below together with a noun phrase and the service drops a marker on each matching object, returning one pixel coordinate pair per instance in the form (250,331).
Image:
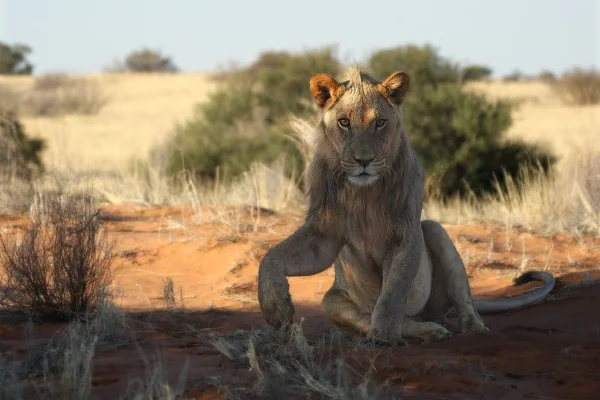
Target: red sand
(548,351)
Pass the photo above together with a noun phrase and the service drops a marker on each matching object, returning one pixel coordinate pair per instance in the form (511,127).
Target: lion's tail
(490,306)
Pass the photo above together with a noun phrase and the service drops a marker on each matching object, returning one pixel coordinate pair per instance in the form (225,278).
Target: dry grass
(566,201)
(141,113)
(96,151)
(293,366)
(542,116)
(61,266)
(12,387)
(10,98)
(578,87)
(172,298)
(263,186)
(15,196)
(284,367)
(144,108)
(108,322)
(67,364)
(58,94)
(52,95)
(62,368)
(155,385)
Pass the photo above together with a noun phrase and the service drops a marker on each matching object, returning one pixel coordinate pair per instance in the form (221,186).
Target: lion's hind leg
(349,319)
(450,285)
(345,313)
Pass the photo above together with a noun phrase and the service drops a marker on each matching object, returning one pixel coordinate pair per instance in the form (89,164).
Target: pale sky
(82,36)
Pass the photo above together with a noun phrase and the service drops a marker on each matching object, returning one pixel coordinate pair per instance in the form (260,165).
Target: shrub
(61,265)
(547,76)
(19,154)
(225,134)
(475,73)
(13,59)
(282,79)
(422,63)
(515,76)
(578,86)
(10,98)
(59,94)
(457,134)
(247,120)
(148,60)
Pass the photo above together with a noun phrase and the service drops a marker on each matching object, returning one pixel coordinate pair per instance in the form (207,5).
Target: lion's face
(362,121)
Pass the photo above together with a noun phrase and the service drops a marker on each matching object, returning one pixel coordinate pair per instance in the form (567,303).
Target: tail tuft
(531,276)
(489,306)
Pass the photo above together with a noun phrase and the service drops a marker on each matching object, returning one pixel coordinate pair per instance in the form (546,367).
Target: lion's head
(361,122)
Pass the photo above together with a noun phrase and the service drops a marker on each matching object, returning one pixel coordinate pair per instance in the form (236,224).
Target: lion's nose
(364,161)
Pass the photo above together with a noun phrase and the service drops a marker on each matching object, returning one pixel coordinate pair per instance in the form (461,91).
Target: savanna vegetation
(242,146)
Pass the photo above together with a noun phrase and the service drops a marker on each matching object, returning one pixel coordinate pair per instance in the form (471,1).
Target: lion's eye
(344,122)
(380,123)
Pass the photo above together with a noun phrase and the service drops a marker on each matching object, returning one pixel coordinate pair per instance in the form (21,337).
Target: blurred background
(207,102)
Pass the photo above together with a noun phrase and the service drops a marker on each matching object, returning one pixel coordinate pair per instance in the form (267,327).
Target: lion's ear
(396,86)
(323,87)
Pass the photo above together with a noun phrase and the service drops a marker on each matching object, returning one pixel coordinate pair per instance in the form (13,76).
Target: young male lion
(394,275)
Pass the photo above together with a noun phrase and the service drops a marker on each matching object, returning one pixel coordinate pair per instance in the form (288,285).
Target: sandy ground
(548,351)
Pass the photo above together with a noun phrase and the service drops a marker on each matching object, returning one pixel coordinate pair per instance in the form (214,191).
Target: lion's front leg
(305,252)
(399,271)
(426,331)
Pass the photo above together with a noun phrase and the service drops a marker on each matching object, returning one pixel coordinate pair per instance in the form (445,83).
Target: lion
(396,276)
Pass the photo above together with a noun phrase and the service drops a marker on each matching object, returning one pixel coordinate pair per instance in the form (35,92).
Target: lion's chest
(370,238)
(370,228)
(369,243)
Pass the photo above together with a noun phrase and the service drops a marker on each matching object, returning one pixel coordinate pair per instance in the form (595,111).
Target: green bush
(247,120)
(547,76)
(515,76)
(226,133)
(19,154)
(422,63)
(475,73)
(148,60)
(283,80)
(459,138)
(13,59)
(458,135)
